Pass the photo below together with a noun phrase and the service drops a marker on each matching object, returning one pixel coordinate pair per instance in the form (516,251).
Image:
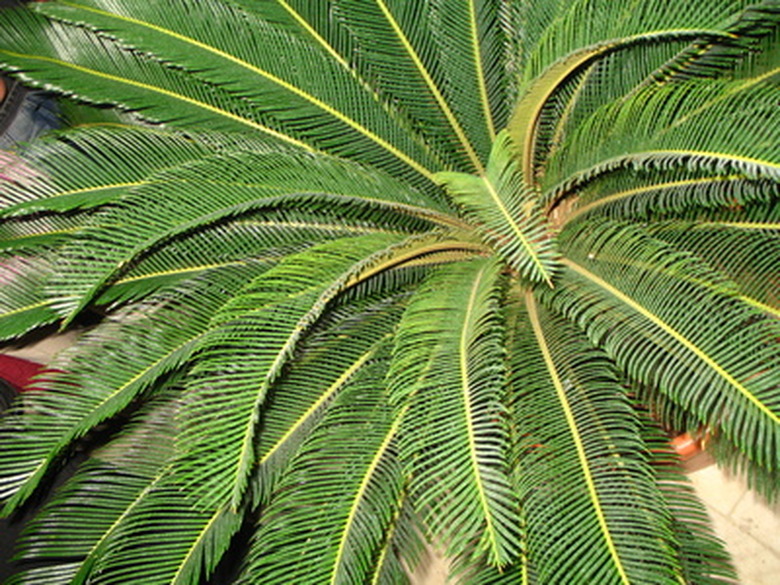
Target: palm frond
(586,484)
(472,67)
(733,56)
(609,77)
(90,167)
(347,482)
(80,64)
(403,55)
(554,30)
(702,556)
(765,56)
(201,193)
(506,213)
(238,242)
(711,352)
(180,542)
(721,128)
(315,101)
(619,74)
(103,373)
(763,481)
(83,516)
(342,346)
(37,235)
(23,306)
(403,549)
(254,335)
(447,376)
(746,249)
(557,46)
(640,195)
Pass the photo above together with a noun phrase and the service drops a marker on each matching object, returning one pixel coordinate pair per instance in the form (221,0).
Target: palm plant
(371,273)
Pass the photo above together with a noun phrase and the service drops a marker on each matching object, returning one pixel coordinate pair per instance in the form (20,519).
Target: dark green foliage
(371,274)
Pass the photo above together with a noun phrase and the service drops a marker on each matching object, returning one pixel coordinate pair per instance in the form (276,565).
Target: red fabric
(17,371)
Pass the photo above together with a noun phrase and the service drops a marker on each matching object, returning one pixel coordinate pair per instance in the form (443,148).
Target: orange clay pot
(686,446)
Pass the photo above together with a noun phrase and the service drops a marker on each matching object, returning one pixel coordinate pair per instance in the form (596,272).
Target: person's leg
(25,114)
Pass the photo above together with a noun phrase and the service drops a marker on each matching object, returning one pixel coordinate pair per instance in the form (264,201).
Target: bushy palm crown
(376,271)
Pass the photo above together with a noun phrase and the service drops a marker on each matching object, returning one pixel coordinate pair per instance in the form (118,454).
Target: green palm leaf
(731,244)
(557,46)
(66,176)
(401,50)
(697,343)
(456,374)
(632,195)
(23,307)
(671,127)
(99,70)
(253,337)
(348,481)
(703,557)
(587,411)
(314,102)
(506,212)
(170,208)
(575,87)
(152,340)
(351,338)
(237,243)
(474,75)
(107,488)
(36,235)
(343,311)
(194,540)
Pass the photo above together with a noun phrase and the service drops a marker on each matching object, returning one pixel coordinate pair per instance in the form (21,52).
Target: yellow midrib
(361,491)
(26,308)
(751,225)
(463,358)
(274,79)
(325,396)
(761,306)
(645,189)
(408,256)
(165,92)
(55,196)
(516,229)
(481,80)
(175,579)
(533,316)
(437,95)
(183,270)
(676,335)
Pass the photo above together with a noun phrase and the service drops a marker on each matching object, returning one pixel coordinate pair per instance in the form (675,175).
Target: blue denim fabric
(26,114)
